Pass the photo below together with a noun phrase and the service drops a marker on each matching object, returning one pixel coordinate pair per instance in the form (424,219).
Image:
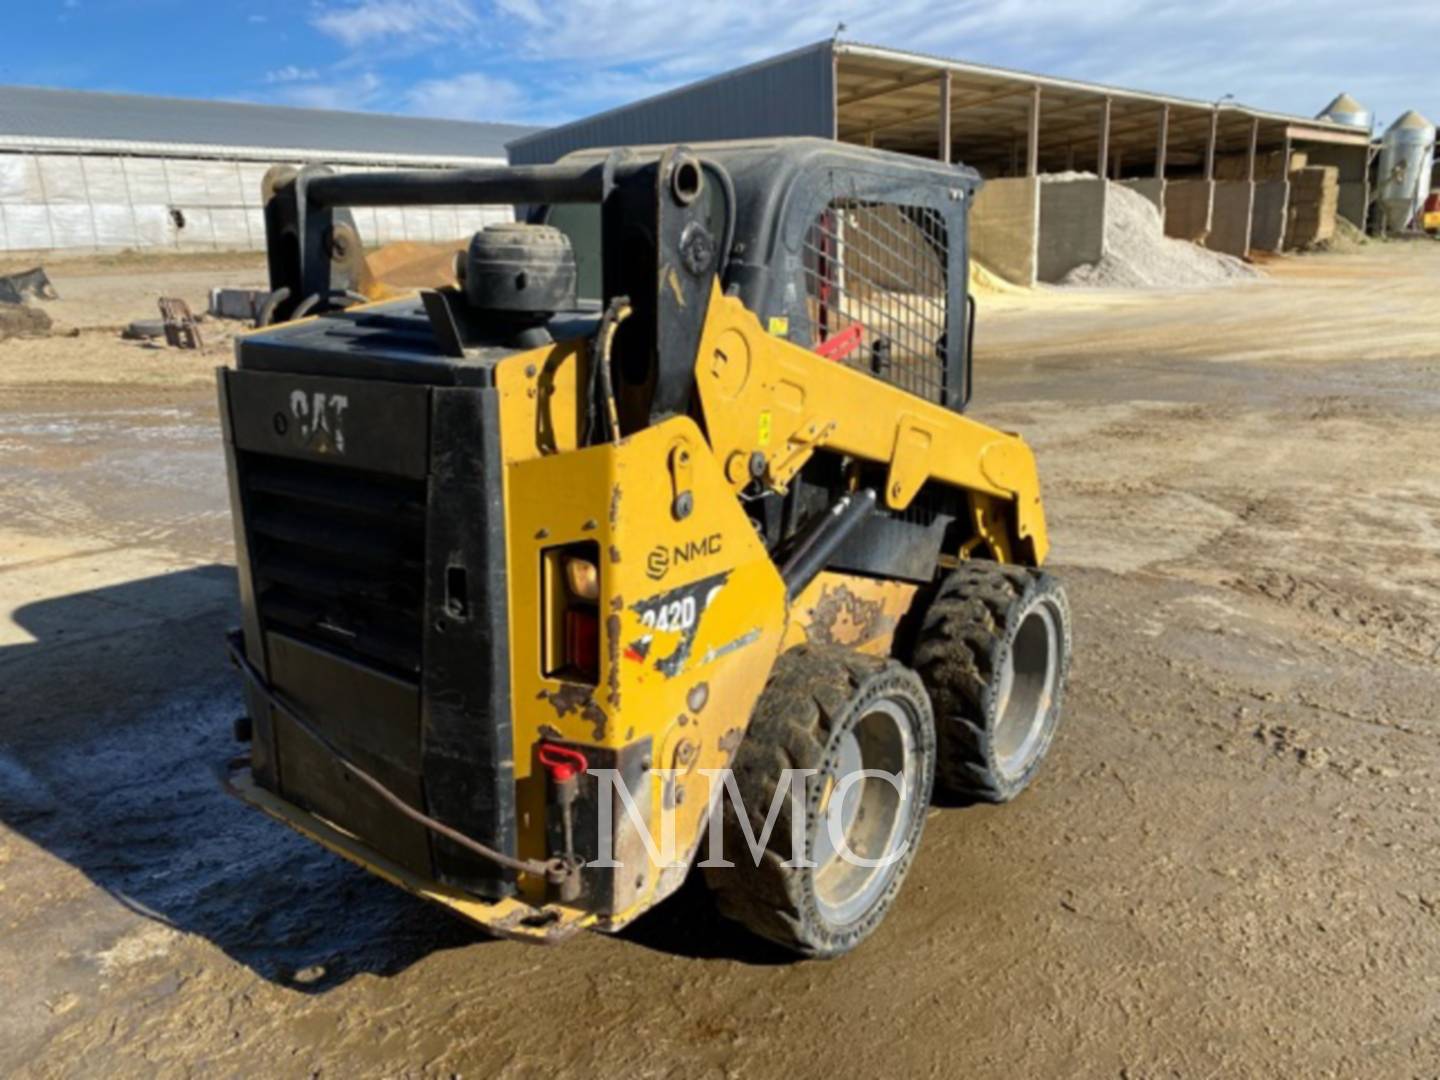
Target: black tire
(993,733)
(826,708)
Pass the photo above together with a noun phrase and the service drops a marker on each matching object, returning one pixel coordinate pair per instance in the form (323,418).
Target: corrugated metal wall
(51,201)
(793,94)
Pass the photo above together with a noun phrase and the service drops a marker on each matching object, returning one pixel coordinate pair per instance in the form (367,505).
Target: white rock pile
(1138,254)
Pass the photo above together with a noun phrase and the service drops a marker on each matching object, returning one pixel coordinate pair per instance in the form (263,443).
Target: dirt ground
(1228,867)
(99,297)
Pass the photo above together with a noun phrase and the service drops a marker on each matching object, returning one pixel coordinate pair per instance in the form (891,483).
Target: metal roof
(890,98)
(986,71)
(37,118)
(789,94)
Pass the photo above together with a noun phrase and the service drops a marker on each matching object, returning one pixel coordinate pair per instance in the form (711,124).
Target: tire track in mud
(1294,538)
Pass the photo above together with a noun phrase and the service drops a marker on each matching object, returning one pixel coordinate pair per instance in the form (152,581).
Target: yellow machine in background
(549,599)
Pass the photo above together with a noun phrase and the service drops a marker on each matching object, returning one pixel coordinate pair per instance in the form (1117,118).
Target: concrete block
(1349,162)
(1072,226)
(1230,217)
(1153,189)
(1187,209)
(1353,197)
(1267,215)
(1005,228)
(232,303)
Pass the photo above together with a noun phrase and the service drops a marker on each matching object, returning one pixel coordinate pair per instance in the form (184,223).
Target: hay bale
(1268,166)
(1314,203)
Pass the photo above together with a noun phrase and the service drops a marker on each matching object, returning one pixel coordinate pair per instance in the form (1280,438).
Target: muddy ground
(1227,869)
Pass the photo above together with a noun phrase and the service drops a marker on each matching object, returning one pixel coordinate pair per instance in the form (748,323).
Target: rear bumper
(506,918)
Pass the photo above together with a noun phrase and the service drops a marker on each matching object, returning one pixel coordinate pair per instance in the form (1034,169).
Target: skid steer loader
(660,540)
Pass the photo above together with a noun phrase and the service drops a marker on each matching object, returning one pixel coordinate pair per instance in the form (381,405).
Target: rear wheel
(994,652)
(842,715)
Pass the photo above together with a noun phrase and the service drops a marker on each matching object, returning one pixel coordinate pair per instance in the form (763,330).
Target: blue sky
(536,61)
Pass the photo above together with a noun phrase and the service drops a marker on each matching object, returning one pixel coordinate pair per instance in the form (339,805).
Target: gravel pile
(1138,254)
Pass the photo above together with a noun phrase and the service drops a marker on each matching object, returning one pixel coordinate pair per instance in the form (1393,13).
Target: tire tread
(810,692)
(962,642)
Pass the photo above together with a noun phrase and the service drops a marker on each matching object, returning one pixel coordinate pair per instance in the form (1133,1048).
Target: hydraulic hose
(616,313)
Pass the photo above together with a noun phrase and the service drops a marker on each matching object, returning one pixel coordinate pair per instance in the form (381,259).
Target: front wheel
(994,651)
(862,725)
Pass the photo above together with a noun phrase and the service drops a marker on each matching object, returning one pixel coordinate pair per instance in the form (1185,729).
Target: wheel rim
(872,819)
(1027,691)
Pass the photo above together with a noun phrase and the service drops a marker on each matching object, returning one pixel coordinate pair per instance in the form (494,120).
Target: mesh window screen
(875,287)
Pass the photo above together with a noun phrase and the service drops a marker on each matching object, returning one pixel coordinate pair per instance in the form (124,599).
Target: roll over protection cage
(659,245)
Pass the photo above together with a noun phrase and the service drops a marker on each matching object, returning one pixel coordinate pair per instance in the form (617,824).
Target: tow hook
(564,766)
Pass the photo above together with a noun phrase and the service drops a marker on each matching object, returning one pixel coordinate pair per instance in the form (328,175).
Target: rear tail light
(582,641)
(571,580)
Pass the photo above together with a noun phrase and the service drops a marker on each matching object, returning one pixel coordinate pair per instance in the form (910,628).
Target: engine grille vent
(338,558)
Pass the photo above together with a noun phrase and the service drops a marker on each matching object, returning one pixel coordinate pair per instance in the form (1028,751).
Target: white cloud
(360,93)
(530,12)
(473,95)
(549,61)
(396,23)
(291,74)
(1257,49)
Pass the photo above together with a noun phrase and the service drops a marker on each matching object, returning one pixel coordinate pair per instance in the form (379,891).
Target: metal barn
(92,171)
(1217,171)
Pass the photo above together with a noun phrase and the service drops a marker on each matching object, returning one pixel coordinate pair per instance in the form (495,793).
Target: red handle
(562,762)
(843,343)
